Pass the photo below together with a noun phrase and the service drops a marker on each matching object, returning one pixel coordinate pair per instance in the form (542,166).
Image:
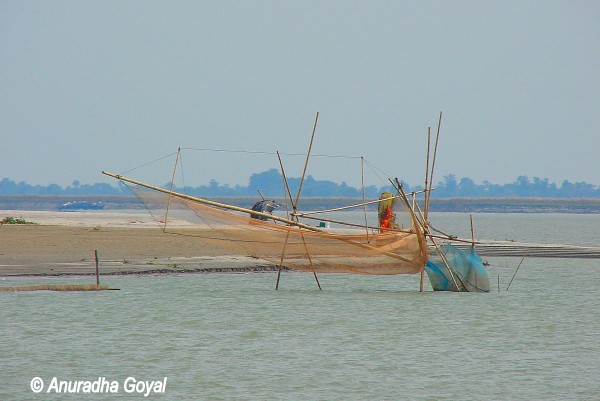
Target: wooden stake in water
(97,275)
(472,231)
(513,277)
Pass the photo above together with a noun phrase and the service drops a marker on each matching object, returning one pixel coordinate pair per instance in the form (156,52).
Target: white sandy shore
(92,218)
(63,243)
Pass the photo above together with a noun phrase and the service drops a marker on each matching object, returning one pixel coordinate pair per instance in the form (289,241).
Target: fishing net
(467,267)
(331,250)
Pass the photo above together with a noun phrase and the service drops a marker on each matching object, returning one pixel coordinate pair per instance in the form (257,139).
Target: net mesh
(331,251)
(467,267)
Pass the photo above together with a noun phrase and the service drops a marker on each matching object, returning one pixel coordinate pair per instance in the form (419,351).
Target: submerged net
(331,251)
(467,267)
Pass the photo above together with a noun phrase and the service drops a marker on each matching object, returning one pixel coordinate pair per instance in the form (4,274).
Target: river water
(232,336)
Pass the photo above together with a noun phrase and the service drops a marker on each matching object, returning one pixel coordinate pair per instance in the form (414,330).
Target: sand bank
(64,243)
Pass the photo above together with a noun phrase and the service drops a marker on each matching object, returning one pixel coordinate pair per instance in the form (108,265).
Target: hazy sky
(108,85)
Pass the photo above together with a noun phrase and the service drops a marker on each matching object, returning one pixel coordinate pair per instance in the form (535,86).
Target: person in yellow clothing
(387,217)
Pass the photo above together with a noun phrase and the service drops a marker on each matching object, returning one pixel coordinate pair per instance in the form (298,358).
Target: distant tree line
(270,183)
(523,187)
(8,187)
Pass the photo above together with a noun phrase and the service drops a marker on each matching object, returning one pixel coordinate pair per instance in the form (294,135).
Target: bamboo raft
(519,249)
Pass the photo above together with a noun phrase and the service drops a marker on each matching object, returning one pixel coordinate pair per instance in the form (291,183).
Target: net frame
(295,246)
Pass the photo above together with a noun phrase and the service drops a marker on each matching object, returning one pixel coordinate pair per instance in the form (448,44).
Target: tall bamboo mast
(472,231)
(427,174)
(287,236)
(312,137)
(295,204)
(416,222)
(426,204)
(285,182)
(437,137)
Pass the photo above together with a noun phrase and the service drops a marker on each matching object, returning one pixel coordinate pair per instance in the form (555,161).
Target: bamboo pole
(420,214)
(415,223)
(425,215)
(513,277)
(281,260)
(422,280)
(172,183)
(362,174)
(97,271)
(310,261)
(448,266)
(312,137)
(337,209)
(445,236)
(431,237)
(287,235)
(343,223)
(433,163)
(285,181)
(418,208)
(427,172)
(421,238)
(295,205)
(472,230)
(212,203)
(425,227)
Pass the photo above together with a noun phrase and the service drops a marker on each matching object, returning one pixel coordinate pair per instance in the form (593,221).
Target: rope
(257,152)
(146,164)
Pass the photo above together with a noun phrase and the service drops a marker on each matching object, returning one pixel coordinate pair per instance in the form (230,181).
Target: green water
(232,336)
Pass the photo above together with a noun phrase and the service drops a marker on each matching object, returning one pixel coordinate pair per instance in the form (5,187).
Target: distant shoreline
(463,205)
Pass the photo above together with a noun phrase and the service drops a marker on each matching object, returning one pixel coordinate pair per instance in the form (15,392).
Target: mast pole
(422,238)
(285,181)
(312,137)
(427,173)
(415,223)
(426,203)
(472,231)
(295,204)
(437,137)
(172,183)
(287,187)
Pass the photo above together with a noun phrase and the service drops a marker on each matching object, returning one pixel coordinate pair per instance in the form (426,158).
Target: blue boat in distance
(77,205)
